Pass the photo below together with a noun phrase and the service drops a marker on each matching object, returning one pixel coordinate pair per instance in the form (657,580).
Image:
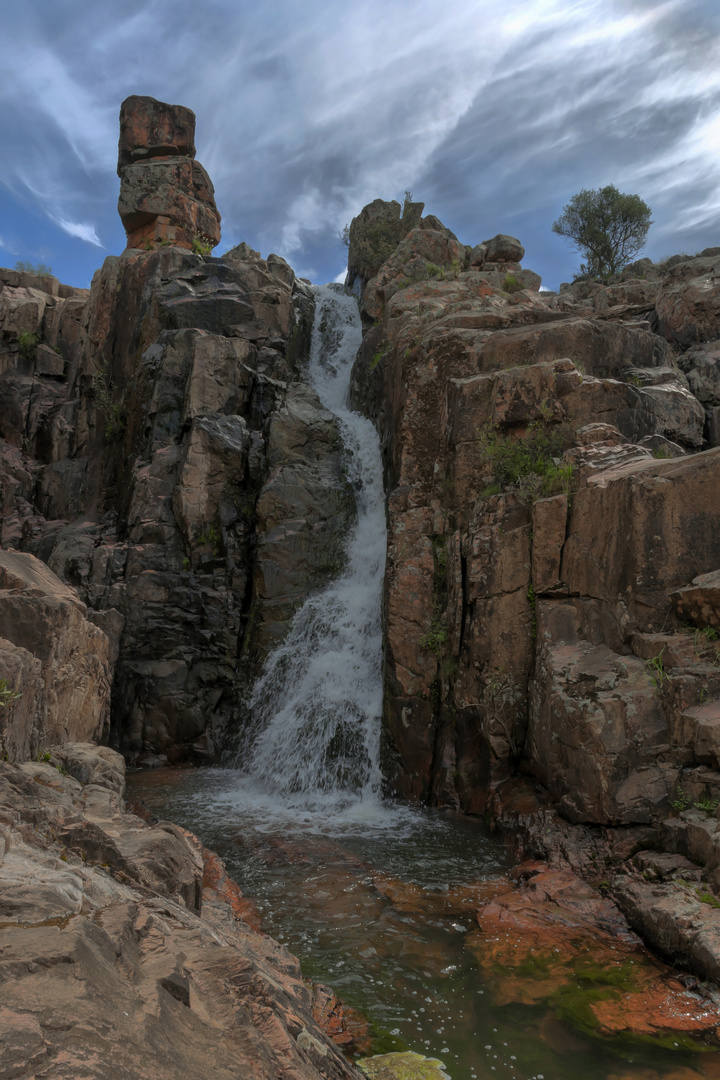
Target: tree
(607,227)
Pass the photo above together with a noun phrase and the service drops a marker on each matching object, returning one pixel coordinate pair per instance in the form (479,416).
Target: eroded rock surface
(121,953)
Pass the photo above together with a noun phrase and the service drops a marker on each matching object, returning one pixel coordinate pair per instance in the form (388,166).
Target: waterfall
(315,729)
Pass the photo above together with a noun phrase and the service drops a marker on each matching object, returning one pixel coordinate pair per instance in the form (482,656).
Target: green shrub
(7,694)
(201,245)
(657,671)
(435,638)
(27,344)
(511,284)
(114,412)
(681,801)
(41,269)
(528,463)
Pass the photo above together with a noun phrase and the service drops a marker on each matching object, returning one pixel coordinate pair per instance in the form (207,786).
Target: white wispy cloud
(493,114)
(83,231)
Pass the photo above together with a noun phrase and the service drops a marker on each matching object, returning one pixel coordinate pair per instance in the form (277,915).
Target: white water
(316,707)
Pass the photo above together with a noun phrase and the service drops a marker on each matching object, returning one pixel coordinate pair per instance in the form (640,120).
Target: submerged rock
(402,1066)
(556,941)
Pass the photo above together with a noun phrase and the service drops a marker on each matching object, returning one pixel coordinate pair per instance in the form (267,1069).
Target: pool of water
(370,897)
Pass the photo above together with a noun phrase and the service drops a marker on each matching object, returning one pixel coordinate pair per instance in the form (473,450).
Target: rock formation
(552,464)
(165,457)
(171,489)
(166,197)
(126,951)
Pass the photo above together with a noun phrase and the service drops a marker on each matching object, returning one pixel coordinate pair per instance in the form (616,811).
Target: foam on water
(314,744)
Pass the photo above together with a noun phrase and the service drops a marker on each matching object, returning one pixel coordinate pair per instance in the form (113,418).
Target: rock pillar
(165,195)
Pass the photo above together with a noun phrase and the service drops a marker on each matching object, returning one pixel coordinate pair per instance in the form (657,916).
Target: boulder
(503,248)
(596,726)
(150,128)
(639,531)
(699,602)
(414,257)
(688,303)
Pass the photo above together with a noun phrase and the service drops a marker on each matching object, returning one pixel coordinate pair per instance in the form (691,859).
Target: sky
(494,114)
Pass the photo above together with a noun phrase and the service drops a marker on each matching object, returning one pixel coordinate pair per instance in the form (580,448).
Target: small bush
(201,245)
(681,801)
(41,269)
(435,638)
(27,344)
(114,413)
(7,694)
(511,284)
(657,671)
(529,463)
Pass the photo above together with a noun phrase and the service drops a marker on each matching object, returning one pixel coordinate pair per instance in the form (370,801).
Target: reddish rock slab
(345,1026)
(218,885)
(557,940)
(406,896)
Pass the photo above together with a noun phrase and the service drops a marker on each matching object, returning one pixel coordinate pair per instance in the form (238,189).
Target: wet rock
(402,1066)
(345,1026)
(557,941)
(680,922)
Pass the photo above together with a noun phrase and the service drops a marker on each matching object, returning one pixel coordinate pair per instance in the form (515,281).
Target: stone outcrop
(554,543)
(166,197)
(125,950)
(162,452)
(542,554)
(55,661)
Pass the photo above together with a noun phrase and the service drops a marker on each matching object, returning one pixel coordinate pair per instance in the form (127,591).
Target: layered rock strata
(125,949)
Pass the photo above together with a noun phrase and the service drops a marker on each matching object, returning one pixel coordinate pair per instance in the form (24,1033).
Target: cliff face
(551,498)
(163,455)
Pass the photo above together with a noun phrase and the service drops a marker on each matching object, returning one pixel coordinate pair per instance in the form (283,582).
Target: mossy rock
(406,1066)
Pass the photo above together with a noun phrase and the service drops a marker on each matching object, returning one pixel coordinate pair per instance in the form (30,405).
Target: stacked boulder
(165,195)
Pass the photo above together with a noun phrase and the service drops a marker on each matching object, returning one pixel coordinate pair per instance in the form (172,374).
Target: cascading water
(315,728)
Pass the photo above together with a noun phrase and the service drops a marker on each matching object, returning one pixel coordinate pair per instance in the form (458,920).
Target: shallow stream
(336,887)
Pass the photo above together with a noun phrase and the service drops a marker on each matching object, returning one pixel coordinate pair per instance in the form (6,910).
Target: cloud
(83,230)
(494,115)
